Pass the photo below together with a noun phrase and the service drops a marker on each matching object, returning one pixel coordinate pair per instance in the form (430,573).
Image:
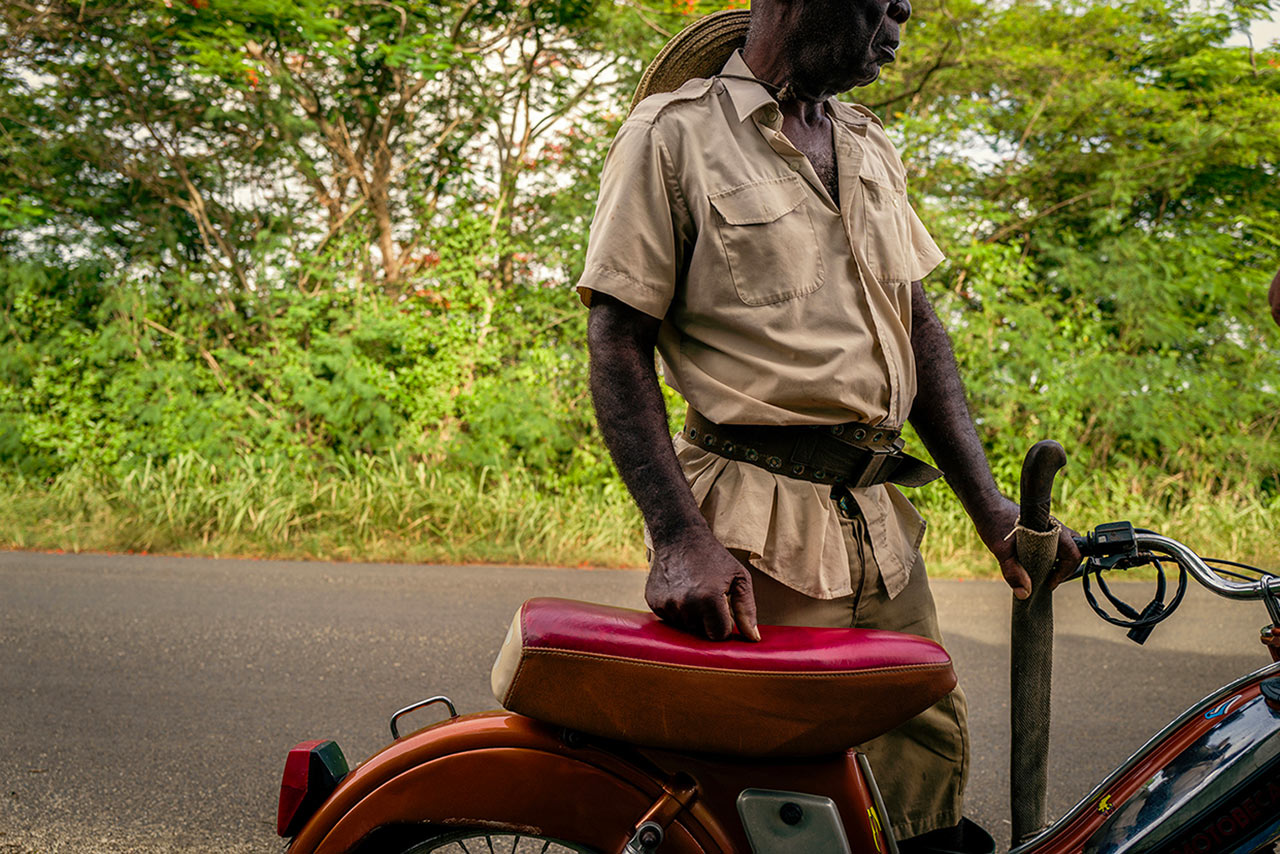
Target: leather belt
(853,455)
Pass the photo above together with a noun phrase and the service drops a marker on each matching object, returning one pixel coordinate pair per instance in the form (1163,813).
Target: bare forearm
(941,416)
(633,419)
(693,582)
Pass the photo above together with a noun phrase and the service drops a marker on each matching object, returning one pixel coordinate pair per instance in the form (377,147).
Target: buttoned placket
(850,151)
(768,121)
(849,155)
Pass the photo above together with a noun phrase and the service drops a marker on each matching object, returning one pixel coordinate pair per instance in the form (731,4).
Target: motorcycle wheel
(486,841)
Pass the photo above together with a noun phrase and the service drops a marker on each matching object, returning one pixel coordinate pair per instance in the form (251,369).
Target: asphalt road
(146,704)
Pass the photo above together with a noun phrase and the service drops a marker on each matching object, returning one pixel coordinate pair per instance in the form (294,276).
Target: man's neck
(769,67)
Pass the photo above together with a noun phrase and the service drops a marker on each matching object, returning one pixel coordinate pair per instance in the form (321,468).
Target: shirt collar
(748,96)
(850,116)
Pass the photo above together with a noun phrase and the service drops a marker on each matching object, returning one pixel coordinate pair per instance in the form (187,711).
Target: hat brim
(699,50)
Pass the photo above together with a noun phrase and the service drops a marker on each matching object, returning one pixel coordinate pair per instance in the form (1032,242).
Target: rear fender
(500,771)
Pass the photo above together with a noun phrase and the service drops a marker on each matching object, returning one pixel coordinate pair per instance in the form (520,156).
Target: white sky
(1263,32)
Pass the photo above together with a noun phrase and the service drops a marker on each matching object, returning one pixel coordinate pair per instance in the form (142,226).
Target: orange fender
(505,772)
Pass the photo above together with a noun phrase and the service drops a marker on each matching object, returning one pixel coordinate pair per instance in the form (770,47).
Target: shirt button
(770,117)
(795,165)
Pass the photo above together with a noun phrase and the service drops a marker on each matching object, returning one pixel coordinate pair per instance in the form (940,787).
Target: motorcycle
(621,735)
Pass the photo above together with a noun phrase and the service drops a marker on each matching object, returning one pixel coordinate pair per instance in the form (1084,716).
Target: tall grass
(372,508)
(1224,516)
(384,508)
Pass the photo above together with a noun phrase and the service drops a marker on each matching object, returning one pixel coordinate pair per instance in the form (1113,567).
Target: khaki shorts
(921,767)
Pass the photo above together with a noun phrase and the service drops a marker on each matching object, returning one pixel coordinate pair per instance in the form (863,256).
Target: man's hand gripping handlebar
(1039,469)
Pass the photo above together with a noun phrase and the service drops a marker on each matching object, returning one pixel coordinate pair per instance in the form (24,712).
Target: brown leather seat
(799,692)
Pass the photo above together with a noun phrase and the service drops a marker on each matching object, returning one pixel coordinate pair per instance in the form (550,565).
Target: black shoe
(965,838)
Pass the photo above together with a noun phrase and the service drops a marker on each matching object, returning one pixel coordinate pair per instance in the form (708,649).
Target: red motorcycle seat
(626,675)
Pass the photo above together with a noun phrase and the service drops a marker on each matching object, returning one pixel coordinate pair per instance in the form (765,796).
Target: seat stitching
(810,674)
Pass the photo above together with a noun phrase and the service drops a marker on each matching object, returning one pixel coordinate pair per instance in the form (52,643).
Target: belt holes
(728,447)
(797,469)
(877,437)
(709,440)
(774,462)
(693,432)
(859,434)
(752,455)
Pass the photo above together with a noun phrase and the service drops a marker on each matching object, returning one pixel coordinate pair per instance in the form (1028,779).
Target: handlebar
(1148,541)
(1119,545)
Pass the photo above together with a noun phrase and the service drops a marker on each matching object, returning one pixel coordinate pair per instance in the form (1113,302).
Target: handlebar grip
(1038,470)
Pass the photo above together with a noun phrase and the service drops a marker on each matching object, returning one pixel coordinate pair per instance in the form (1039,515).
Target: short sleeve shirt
(779,306)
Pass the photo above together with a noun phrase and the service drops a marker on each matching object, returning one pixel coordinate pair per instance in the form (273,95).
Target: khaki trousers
(922,766)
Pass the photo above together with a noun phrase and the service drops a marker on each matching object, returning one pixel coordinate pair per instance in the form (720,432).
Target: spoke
(488,840)
(545,846)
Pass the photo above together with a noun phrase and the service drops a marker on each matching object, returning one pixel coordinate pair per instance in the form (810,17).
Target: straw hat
(699,50)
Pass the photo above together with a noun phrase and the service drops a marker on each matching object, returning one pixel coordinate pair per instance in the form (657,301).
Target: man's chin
(869,76)
(830,88)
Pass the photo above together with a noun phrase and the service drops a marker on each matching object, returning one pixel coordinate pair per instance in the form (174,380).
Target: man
(756,233)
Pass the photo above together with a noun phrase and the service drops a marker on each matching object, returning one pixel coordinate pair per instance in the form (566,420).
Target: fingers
(713,616)
(704,594)
(1017,577)
(742,602)
(717,621)
(1069,557)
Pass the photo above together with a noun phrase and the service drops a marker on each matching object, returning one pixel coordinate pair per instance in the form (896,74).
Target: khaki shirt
(778,305)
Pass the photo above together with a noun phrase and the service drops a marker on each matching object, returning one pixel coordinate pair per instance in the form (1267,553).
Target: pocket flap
(761,202)
(883,188)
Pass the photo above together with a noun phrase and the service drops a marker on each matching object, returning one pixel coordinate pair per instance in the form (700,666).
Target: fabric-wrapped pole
(1030,678)
(1031,646)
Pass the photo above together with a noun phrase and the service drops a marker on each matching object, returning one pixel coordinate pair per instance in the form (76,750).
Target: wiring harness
(1114,546)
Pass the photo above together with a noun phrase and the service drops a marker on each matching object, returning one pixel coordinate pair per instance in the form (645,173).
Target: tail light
(311,773)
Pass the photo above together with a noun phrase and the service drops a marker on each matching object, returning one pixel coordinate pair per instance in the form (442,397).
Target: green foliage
(370,508)
(254,250)
(1104,179)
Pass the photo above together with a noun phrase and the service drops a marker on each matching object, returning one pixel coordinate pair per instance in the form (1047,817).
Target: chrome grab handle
(1202,572)
(395,730)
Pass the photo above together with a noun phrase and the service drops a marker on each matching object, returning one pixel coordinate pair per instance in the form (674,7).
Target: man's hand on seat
(697,586)
(694,584)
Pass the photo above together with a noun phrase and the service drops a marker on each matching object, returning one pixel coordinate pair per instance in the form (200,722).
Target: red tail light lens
(311,773)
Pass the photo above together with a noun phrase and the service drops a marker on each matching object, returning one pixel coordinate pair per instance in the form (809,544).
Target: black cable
(1156,609)
(1141,623)
(1218,560)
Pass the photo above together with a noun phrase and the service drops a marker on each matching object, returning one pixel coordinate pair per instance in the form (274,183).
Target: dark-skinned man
(756,232)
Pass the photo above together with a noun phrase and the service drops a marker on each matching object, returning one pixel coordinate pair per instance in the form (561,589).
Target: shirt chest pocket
(886,234)
(769,243)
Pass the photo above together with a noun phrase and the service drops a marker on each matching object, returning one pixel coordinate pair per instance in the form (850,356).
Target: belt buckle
(876,461)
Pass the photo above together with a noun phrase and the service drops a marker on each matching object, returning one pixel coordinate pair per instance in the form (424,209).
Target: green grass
(372,509)
(386,509)
(1216,517)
